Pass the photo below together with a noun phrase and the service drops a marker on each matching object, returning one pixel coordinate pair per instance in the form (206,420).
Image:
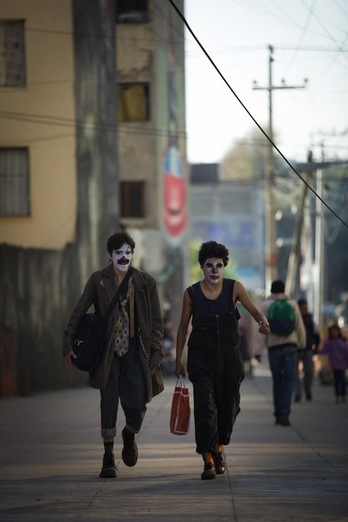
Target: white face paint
(122,257)
(213,269)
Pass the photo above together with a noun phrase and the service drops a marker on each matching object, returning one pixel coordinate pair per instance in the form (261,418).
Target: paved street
(51,454)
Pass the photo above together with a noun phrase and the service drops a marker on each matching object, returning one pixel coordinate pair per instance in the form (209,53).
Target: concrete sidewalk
(51,454)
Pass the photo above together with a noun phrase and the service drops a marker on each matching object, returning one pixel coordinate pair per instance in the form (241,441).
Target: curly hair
(212,249)
(118,239)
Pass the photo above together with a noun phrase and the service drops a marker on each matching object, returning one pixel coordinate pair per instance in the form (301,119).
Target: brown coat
(99,291)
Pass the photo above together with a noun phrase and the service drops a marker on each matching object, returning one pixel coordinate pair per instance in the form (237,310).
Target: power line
(249,113)
(303,32)
(59,121)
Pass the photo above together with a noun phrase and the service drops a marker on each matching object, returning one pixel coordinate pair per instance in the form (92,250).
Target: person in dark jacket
(306,356)
(215,366)
(123,374)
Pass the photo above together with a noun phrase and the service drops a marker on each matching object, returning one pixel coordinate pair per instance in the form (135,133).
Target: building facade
(231,213)
(91,107)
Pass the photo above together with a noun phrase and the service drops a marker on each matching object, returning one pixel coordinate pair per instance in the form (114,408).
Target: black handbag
(156,374)
(89,342)
(92,334)
(157,381)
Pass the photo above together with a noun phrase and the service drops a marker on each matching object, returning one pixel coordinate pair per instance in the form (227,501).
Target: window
(14,182)
(131,11)
(12,54)
(133,199)
(133,102)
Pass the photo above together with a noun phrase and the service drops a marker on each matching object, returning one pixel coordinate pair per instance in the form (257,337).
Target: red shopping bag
(180,412)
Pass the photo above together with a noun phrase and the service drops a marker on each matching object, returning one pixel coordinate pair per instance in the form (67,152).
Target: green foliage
(247,158)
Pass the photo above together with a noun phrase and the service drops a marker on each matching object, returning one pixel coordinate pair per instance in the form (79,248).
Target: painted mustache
(123,261)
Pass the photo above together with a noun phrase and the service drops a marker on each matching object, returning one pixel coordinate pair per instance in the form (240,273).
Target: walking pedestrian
(336,347)
(123,373)
(215,366)
(305,357)
(287,334)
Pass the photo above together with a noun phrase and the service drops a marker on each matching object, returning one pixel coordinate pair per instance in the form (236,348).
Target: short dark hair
(212,249)
(277,287)
(302,302)
(331,330)
(118,239)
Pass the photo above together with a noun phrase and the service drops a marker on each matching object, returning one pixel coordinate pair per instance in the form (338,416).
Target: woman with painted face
(123,374)
(215,365)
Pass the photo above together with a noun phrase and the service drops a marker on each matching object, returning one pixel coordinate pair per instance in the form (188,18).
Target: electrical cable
(249,113)
(302,35)
(59,121)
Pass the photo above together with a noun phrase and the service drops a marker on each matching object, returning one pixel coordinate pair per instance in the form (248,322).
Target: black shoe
(109,467)
(209,471)
(297,398)
(130,449)
(309,396)
(219,464)
(284,420)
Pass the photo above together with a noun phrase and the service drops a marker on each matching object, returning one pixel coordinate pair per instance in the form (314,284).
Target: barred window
(133,199)
(12,54)
(14,182)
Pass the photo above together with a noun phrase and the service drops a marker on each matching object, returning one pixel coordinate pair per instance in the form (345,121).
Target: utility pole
(295,248)
(319,247)
(312,240)
(271,262)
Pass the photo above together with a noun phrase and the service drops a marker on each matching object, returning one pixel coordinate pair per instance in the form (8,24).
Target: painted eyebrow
(121,251)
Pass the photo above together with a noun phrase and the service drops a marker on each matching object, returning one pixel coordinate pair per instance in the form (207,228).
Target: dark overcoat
(98,292)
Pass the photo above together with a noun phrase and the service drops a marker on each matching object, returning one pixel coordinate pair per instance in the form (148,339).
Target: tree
(247,159)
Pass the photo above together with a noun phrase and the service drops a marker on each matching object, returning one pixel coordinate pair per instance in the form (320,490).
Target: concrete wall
(40,286)
(76,159)
(137,141)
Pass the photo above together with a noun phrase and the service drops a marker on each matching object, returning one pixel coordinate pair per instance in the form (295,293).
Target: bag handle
(180,382)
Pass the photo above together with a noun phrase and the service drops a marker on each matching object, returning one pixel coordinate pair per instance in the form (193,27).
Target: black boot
(130,449)
(109,467)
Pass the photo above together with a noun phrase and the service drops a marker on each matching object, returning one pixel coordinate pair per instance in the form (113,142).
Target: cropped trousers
(126,384)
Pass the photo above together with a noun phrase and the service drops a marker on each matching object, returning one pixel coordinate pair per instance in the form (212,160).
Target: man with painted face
(123,374)
(215,365)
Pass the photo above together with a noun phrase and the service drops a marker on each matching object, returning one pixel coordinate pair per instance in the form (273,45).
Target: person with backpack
(287,335)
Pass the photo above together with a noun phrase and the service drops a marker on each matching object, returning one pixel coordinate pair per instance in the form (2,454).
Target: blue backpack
(281,317)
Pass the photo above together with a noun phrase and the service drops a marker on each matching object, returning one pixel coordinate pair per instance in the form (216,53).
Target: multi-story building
(92,137)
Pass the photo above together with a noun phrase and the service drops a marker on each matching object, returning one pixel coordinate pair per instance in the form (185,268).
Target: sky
(310,42)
